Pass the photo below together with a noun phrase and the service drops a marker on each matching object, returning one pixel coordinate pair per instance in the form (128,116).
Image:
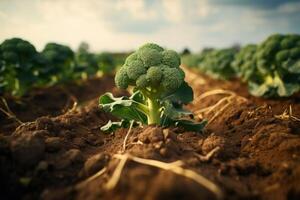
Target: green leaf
(124,107)
(175,116)
(183,95)
(285,89)
(189,125)
(257,89)
(174,113)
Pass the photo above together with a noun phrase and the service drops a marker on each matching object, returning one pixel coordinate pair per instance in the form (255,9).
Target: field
(248,150)
(52,145)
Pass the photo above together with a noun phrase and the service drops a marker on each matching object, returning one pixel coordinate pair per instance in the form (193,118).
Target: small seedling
(159,91)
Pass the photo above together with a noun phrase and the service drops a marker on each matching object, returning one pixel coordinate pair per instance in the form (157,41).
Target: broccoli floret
(151,46)
(135,69)
(154,75)
(172,79)
(121,78)
(155,72)
(170,58)
(150,57)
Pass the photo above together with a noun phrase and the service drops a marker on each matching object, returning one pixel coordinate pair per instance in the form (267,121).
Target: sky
(122,25)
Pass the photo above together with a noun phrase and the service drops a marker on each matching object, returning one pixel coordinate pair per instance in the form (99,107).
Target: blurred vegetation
(22,67)
(271,68)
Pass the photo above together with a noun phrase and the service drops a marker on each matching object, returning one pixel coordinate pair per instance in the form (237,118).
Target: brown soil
(52,101)
(257,153)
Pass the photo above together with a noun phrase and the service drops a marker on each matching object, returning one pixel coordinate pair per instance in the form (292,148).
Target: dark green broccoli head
(17,51)
(274,68)
(280,48)
(217,63)
(153,68)
(57,53)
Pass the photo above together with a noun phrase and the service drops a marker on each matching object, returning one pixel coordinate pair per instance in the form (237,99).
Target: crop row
(270,68)
(23,67)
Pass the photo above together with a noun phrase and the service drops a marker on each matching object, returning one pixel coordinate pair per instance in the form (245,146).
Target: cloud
(125,24)
(263,4)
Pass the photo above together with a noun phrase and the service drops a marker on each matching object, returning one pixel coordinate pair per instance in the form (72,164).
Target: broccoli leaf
(183,95)
(112,126)
(123,107)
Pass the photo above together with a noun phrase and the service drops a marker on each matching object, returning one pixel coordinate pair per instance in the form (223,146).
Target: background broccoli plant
(243,62)
(17,66)
(274,69)
(106,63)
(60,62)
(86,62)
(159,90)
(217,63)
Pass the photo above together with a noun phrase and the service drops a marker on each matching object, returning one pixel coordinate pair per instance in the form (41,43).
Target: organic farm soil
(254,151)
(52,101)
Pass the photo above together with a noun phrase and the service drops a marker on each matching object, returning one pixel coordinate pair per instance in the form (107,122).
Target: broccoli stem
(154,111)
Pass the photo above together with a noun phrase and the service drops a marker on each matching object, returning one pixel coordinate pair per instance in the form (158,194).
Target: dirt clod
(28,149)
(53,144)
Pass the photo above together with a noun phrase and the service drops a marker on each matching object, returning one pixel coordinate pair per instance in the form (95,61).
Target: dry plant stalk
(126,137)
(93,177)
(7,111)
(212,108)
(287,115)
(175,167)
(209,155)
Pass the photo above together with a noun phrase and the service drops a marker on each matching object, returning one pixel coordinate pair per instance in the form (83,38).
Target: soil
(254,150)
(51,101)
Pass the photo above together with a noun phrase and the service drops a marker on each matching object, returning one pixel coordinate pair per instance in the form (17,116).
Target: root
(117,173)
(208,156)
(93,177)
(216,106)
(126,137)
(288,115)
(8,112)
(211,108)
(175,167)
(135,143)
(213,92)
(220,111)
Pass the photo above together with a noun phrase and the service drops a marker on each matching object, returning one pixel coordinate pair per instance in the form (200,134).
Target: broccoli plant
(86,62)
(243,62)
(106,63)
(17,66)
(274,68)
(60,62)
(217,63)
(159,90)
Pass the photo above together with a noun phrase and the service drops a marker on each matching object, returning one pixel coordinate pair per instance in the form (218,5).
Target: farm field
(250,150)
(149,100)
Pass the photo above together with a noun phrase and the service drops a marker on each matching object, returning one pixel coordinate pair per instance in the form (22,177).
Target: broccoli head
(17,52)
(153,71)
(17,65)
(60,61)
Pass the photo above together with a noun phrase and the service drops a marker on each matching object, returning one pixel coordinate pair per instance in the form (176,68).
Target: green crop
(215,63)
(86,62)
(243,64)
(60,62)
(160,89)
(272,68)
(17,61)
